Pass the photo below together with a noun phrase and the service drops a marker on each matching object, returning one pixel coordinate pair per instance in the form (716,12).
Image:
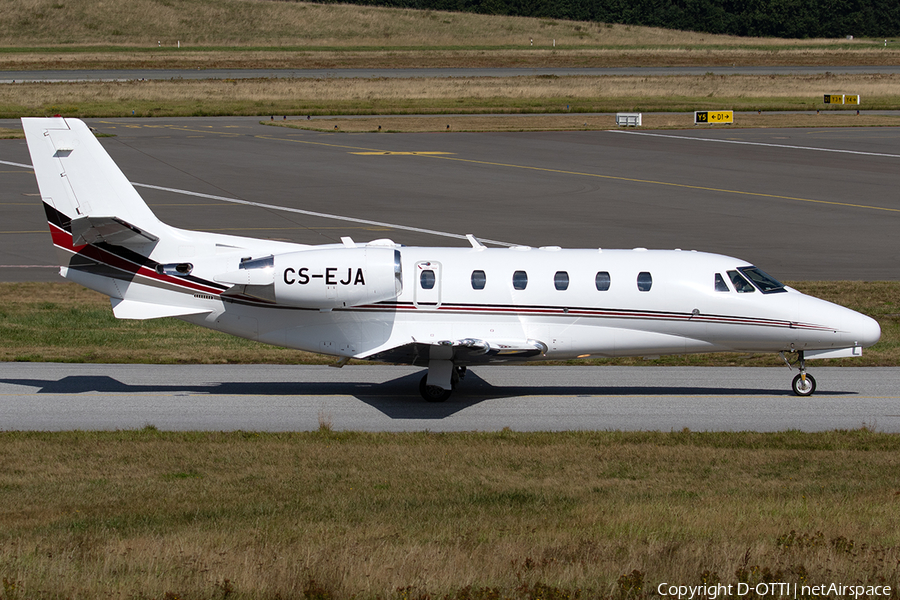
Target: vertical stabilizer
(78,178)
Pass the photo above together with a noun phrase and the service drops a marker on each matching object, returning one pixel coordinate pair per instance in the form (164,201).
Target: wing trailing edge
(463,351)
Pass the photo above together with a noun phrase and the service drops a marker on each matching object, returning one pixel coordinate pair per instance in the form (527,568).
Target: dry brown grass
(445,58)
(146,514)
(454,123)
(300,24)
(11,134)
(77,34)
(443,95)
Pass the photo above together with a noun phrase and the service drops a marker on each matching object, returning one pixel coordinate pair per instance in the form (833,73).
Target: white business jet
(441,308)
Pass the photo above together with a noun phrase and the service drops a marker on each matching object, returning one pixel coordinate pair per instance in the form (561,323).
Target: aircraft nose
(860,329)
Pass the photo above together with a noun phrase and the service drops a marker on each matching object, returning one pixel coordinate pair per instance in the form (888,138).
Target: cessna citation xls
(442,308)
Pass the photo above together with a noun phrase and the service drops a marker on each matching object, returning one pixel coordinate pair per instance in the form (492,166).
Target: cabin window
(765,282)
(740,284)
(721,286)
(520,280)
(478,280)
(427,279)
(644,281)
(561,280)
(602,281)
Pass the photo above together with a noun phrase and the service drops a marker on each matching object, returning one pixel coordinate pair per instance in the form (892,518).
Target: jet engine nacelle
(337,277)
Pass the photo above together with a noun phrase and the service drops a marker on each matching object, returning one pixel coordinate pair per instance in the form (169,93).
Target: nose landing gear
(803,384)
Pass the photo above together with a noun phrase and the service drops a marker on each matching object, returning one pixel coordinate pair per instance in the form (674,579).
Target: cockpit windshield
(762,280)
(741,285)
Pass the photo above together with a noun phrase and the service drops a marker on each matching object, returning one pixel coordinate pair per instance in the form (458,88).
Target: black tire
(801,389)
(432,393)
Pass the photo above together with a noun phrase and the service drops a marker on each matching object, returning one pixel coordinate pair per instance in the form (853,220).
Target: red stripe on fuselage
(63,239)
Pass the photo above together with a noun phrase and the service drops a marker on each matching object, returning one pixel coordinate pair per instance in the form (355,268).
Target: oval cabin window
(520,280)
(561,280)
(644,281)
(602,281)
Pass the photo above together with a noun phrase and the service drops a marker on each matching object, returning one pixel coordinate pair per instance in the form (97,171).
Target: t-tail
(109,240)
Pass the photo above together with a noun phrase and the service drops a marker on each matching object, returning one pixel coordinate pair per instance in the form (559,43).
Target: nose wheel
(803,384)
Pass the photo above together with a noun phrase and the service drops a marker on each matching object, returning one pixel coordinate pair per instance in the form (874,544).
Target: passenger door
(428,284)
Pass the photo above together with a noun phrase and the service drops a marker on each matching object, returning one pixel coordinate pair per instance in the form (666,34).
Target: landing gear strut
(435,393)
(803,384)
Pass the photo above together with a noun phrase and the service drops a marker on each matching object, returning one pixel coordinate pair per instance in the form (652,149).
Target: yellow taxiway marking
(391,153)
(671,184)
(442,156)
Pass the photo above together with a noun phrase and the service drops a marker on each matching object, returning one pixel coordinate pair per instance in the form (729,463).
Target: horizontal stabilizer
(112,230)
(132,309)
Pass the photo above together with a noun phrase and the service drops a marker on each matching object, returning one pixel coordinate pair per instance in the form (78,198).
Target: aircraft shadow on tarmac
(396,399)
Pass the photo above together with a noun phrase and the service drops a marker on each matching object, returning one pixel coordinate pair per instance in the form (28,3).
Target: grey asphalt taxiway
(803,204)
(384,398)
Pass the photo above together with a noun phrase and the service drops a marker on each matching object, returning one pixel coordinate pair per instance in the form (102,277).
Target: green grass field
(146,514)
(64,322)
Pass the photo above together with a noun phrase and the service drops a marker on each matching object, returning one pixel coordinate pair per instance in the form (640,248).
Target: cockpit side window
(740,284)
(721,286)
(765,282)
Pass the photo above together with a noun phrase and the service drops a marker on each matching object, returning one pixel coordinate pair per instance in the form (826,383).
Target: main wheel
(433,393)
(804,388)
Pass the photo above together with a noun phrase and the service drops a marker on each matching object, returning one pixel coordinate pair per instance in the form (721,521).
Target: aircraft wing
(465,351)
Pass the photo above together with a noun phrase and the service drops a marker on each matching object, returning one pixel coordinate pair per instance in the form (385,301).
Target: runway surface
(384,398)
(803,204)
(135,74)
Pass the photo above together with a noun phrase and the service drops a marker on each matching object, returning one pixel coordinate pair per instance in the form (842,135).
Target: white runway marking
(789,147)
(297,210)
(318,214)
(12,164)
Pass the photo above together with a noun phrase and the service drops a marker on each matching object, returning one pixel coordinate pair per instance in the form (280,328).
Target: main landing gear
(435,393)
(803,384)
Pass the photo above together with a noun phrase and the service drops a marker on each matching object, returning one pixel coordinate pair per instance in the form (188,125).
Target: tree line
(763,18)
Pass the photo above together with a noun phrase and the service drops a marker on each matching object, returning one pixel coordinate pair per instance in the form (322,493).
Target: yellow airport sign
(705,117)
(834,98)
(852,99)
